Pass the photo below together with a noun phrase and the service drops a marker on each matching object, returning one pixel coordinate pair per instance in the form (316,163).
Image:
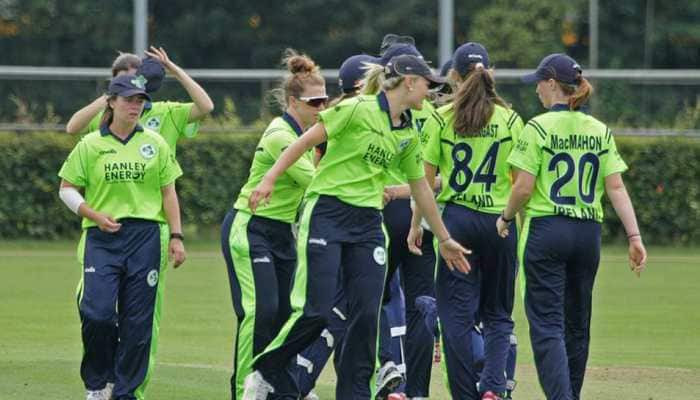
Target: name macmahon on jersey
(576,142)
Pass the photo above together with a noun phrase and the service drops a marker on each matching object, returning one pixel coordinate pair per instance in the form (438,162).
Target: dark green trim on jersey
(538,128)
(293,123)
(507,139)
(406,116)
(105,131)
(512,119)
(439,119)
(447,142)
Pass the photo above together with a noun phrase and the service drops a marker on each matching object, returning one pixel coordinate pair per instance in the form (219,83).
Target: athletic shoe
(311,396)
(107,391)
(95,395)
(256,387)
(388,379)
(490,396)
(397,396)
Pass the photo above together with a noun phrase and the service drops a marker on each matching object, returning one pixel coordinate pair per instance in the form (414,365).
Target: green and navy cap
(154,72)
(128,85)
(408,64)
(468,54)
(559,67)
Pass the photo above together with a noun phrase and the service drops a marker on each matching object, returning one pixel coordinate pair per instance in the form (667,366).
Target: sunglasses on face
(316,101)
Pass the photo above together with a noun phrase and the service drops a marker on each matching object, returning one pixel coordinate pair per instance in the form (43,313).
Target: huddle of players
(364,195)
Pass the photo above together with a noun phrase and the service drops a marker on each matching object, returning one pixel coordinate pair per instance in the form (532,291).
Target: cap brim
(531,78)
(435,81)
(133,92)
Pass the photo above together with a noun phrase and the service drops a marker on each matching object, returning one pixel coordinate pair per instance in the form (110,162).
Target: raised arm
(81,119)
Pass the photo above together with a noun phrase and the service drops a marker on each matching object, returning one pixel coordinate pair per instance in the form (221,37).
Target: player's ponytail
(579,93)
(475,100)
(375,80)
(303,71)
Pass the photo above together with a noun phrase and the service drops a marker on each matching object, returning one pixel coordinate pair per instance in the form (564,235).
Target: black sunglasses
(316,101)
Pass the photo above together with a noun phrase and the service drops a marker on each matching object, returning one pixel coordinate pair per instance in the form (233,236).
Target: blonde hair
(475,101)
(375,80)
(303,71)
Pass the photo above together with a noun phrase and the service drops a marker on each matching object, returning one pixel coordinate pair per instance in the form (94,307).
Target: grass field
(646,332)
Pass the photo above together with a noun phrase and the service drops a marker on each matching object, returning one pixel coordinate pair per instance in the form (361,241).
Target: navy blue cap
(408,64)
(559,67)
(128,85)
(399,49)
(468,54)
(391,39)
(154,73)
(352,70)
(446,67)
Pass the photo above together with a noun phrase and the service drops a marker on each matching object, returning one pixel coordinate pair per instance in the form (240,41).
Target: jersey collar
(104,131)
(565,107)
(406,117)
(147,107)
(293,123)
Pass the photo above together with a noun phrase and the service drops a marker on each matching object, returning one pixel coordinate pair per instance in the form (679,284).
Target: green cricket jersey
(397,177)
(122,178)
(570,153)
(290,186)
(168,118)
(362,148)
(474,169)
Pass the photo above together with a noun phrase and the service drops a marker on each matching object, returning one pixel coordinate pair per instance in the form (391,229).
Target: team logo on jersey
(153,123)
(379,255)
(148,151)
(404,143)
(152,278)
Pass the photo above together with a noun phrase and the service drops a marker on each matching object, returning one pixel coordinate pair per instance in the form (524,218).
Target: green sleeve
(612,161)
(336,119)
(169,167)
(431,149)
(180,114)
(74,169)
(411,161)
(275,143)
(515,125)
(527,152)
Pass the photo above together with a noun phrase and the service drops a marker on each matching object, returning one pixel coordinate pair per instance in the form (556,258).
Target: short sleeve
(169,167)
(411,160)
(74,169)
(612,161)
(431,148)
(515,126)
(180,114)
(527,152)
(336,119)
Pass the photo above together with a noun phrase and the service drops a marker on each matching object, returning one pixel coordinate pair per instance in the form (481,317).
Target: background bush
(663,181)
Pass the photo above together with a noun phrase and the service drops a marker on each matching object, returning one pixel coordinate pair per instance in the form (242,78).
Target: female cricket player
(341,226)
(259,248)
(469,141)
(173,120)
(565,159)
(131,225)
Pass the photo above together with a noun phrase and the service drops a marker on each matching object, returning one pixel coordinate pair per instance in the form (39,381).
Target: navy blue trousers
(332,236)
(487,290)
(417,279)
(561,257)
(121,285)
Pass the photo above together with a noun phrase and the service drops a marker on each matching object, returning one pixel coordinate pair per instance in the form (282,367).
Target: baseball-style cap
(391,39)
(446,67)
(408,64)
(153,71)
(399,49)
(352,70)
(559,67)
(128,85)
(468,54)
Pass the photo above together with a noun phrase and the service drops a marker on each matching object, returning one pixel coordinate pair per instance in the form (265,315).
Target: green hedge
(663,181)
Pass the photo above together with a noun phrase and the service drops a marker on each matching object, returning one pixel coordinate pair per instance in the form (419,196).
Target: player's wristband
(177,236)
(634,235)
(503,217)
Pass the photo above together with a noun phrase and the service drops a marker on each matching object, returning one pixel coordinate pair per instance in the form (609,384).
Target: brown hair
(475,101)
(108,114)
(579,93)
(303,71)
(124,62)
